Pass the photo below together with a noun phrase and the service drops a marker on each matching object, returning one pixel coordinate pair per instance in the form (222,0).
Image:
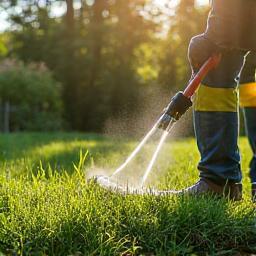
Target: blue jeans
(248,103)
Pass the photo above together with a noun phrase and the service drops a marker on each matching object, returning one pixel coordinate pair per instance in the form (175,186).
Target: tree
(30,97)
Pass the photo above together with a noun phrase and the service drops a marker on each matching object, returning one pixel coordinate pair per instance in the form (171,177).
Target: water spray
(139,147)
(177,107)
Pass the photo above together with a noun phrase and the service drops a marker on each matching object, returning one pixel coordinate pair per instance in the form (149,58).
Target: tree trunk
(97,25)
(70,17)
(6,117)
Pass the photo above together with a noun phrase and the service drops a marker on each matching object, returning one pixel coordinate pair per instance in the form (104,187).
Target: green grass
(48,208)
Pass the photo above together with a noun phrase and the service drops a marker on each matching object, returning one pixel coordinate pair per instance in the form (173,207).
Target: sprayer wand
(178,106)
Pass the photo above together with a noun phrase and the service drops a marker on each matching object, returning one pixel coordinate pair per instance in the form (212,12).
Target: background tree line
(107,56)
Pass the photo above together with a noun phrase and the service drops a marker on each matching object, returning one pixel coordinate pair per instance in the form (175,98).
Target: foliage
(3,45)
(33,96)
(55,213)
(107,54)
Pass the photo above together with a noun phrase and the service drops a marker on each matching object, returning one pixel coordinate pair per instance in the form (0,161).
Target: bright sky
(173,3)
(59,10)
(164,2)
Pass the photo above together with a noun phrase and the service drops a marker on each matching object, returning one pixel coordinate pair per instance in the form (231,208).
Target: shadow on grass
(13,145)
(31,152)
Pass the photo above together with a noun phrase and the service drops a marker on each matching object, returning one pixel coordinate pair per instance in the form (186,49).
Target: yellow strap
(216,99)
(247,95)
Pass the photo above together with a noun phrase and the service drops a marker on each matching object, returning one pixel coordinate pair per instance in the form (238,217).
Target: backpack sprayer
(178,106)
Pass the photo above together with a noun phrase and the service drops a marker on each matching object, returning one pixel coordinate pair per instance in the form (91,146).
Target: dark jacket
(232,24)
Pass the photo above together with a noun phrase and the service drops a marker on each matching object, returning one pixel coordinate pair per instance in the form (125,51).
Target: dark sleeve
(249,69)
(232,24)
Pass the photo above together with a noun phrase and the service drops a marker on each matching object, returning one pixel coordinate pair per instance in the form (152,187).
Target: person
(230,32)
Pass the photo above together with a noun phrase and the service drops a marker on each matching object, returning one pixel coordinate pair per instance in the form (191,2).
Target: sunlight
(175,2)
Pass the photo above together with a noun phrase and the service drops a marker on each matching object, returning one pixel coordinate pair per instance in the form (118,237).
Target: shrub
(30,97)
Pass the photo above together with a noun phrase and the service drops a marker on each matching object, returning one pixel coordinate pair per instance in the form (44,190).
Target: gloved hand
(177,107)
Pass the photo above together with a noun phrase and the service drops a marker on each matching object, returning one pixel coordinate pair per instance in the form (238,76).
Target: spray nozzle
(178,106)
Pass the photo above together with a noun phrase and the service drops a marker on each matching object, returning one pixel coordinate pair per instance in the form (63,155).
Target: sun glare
(175,2)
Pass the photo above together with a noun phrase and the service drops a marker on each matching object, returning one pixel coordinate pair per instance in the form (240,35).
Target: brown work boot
(254,192)
(231,190)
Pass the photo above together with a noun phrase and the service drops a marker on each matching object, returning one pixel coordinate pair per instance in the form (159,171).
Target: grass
(47,207)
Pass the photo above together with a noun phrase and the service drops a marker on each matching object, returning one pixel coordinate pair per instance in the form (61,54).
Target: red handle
(193,85)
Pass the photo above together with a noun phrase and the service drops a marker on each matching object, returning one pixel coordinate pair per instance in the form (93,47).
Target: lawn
(47,207)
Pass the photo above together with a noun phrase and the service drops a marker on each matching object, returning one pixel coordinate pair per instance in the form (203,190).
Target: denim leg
(217,134)
(248,103)
(250,121)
